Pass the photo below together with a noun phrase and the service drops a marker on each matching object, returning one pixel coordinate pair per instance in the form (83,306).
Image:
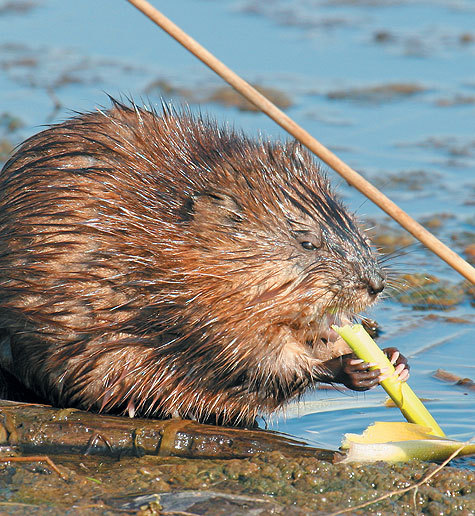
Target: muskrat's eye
(309,240)
(308,246)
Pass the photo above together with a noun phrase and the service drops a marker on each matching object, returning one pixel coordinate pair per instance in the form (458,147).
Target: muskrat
(158,264)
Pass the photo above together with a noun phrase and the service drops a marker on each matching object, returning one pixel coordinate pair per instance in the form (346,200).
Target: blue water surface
(310,49)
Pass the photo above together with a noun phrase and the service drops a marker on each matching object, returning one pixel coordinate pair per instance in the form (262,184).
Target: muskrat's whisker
(399,252)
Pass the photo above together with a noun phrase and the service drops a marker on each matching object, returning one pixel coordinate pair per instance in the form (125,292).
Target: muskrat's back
(162,265)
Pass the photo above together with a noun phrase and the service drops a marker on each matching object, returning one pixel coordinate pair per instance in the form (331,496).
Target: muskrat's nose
(375,284)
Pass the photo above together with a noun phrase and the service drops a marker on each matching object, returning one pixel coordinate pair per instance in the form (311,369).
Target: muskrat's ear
(215,207)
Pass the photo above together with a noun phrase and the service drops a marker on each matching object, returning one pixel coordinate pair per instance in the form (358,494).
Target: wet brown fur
(153,264)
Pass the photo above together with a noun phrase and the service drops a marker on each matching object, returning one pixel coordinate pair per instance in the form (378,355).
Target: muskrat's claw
(399,362)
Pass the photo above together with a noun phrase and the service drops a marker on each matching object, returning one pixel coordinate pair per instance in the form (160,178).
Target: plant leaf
(400,442)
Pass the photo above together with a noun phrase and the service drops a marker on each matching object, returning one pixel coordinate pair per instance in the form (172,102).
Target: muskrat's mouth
(326,333)
(315,331)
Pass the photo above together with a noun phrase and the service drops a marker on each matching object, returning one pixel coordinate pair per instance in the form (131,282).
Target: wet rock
(451,146)
(467,38)
(165,88)
(10,123)
(6,148)
(456,100)
(407,180)
(389,239)
(383,36)
(378,93)
(424,292)
(17,7)
(436,221)
(469,253)
(226,96)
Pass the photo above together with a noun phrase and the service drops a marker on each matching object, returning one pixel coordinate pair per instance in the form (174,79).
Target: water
(59,56)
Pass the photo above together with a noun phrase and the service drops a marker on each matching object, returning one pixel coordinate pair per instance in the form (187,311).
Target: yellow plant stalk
(402,395)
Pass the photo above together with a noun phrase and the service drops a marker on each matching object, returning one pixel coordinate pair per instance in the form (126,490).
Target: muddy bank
(110,465)
(268,483)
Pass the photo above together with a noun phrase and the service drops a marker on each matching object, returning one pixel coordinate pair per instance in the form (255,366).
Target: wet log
(446,376)
(35,428)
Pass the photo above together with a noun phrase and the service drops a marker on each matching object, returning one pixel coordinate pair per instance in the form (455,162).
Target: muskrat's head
(269,246)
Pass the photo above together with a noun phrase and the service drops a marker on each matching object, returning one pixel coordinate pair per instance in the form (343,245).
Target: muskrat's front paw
(356,374)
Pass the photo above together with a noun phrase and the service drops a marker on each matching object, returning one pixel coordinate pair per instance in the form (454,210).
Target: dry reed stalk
(271,110)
